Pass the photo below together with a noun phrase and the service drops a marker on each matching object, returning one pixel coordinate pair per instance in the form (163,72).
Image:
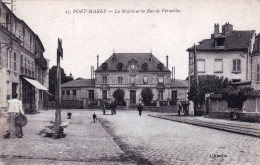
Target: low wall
(252,105)
(67,104)
(167,109)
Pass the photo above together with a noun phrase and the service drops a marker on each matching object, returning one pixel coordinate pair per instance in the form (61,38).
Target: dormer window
(160,67)
(104,67)
(145,66)
(120,66)
(219,43)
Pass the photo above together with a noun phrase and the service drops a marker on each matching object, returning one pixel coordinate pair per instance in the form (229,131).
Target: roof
(256,48)
(79,83)
(139,58)
(238,40)
(180,83)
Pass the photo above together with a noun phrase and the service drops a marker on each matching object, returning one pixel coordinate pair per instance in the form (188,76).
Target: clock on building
(132,66)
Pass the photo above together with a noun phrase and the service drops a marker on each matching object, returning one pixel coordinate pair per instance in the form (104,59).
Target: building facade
(78,90)
(225,54)
(23,68)
(255,64)
(132,72)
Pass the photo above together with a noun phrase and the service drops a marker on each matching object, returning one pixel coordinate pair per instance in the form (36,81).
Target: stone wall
(252,105)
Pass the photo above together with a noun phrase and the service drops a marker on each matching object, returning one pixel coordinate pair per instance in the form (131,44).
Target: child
(94,117)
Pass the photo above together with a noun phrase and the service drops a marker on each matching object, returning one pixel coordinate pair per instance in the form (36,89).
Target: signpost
(58,91)
(193,74)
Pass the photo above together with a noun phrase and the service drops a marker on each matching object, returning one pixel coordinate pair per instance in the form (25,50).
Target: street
(126,138)
(167,142)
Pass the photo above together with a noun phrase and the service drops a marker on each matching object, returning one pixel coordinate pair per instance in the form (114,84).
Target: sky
(86,35)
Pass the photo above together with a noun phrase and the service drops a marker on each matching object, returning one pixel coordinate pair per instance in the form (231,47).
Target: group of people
(113,107)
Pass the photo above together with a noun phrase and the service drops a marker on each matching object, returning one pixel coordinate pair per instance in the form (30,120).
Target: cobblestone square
(168,142)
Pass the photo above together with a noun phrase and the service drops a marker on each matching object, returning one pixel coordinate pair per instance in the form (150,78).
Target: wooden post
(58,91)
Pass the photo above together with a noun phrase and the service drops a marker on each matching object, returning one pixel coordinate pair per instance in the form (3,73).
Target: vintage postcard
(130,82)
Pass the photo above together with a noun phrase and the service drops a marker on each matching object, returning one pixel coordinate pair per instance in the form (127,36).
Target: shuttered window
(218,65)
(201,65)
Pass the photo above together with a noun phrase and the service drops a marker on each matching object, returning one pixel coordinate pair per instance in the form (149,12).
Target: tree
(119,95)
(147,95)
(53,80)
(207,84)
(236,96)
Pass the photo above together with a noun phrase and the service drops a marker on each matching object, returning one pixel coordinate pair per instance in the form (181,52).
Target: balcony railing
(41,62)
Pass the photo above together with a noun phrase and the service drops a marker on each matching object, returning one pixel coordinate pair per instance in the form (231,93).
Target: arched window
(160,67)
(145,66)
(104,66)
(120,66)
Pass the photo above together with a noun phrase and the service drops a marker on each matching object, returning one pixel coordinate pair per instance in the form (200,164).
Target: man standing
(140,109)
(14,108)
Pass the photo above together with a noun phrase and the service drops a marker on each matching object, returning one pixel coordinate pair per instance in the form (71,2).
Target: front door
(104,94)
(132,97)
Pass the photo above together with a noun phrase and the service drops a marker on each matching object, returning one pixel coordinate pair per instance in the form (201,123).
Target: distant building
(78,89)
(133,72)
(23,68)
(225,54)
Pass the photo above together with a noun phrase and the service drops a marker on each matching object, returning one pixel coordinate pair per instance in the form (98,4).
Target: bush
(147,95)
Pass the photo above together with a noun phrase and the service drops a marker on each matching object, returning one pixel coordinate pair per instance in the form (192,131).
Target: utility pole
(58,91)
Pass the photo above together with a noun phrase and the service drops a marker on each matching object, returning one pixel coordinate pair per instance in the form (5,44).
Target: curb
(222,127)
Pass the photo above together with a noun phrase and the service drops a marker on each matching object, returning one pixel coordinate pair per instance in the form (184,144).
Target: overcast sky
(85,35)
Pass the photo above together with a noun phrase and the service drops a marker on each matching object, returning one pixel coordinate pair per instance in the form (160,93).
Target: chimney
(216,30)
(227,29)
(167,60)
(91,72)
(97,61)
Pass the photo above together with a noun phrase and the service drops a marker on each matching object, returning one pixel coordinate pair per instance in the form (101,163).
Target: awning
(36,84)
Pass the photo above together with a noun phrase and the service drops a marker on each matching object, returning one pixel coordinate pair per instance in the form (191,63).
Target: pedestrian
(140,109)
(115,106)
(94,117)
(180,107)
(104,109)
(14,109)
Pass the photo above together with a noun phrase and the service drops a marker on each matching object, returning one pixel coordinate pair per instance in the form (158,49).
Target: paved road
(168,142)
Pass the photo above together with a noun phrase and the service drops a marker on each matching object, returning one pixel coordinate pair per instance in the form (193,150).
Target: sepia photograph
(122,82)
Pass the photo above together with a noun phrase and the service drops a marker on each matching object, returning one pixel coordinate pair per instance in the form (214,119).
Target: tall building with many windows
(23,68)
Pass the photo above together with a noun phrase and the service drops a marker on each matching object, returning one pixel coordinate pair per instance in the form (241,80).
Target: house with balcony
(23,68)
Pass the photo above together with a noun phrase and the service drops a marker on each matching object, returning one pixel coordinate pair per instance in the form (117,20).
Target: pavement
(246,128)
(86,142)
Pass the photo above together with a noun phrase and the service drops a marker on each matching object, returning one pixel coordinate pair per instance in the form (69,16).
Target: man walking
(15,108)
(140,109)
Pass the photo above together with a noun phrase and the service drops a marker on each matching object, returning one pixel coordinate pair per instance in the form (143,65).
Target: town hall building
(131,72)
